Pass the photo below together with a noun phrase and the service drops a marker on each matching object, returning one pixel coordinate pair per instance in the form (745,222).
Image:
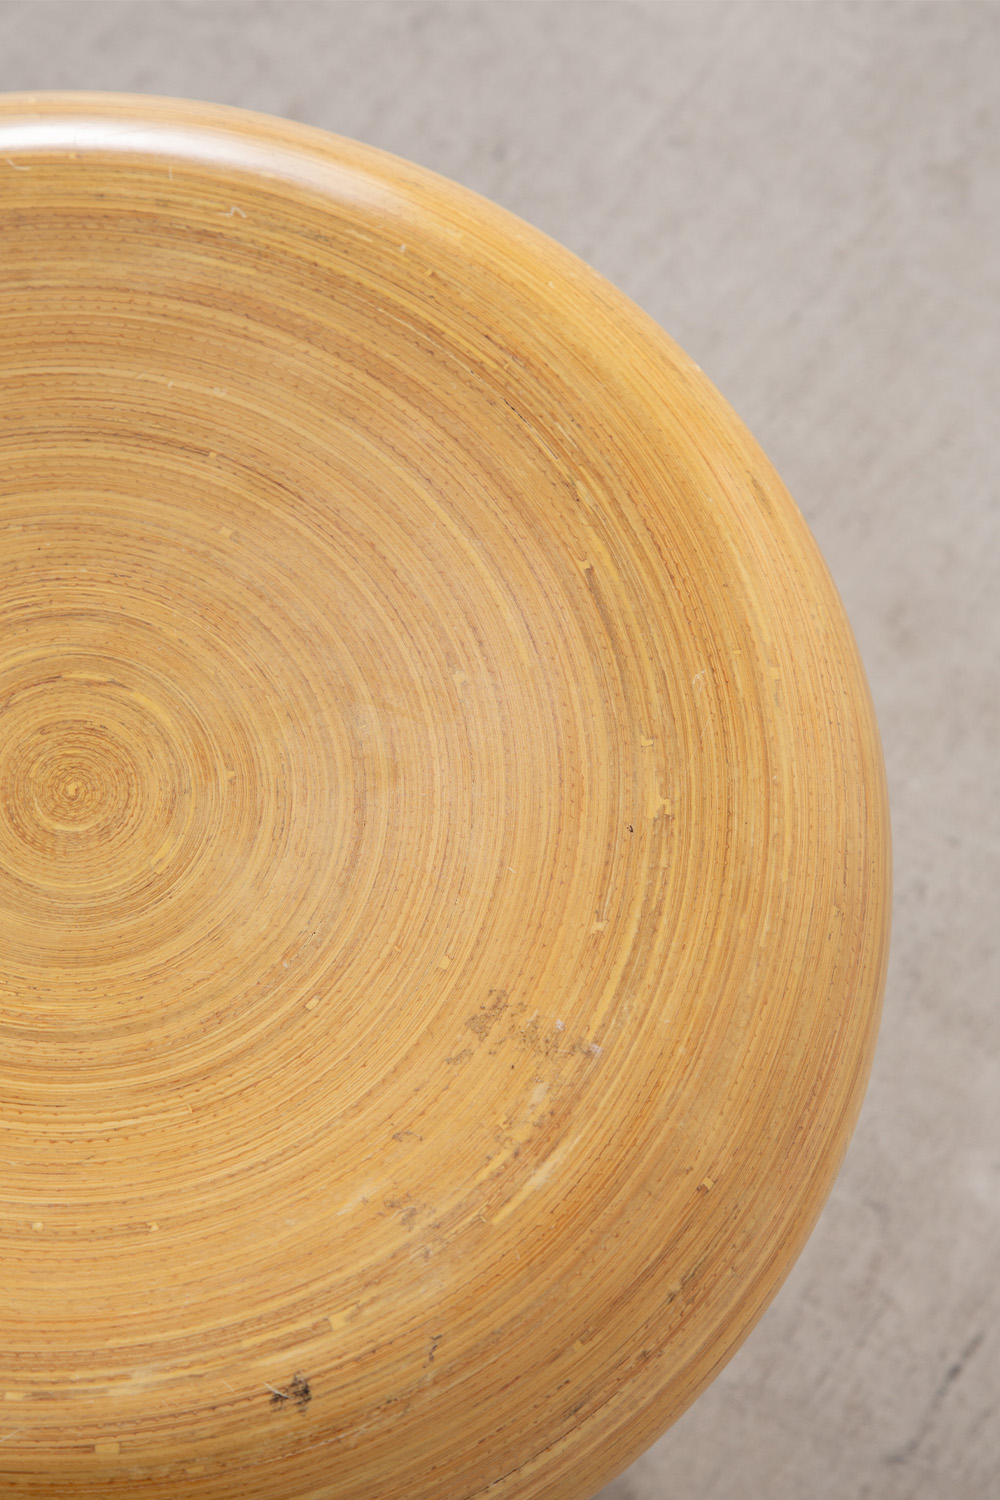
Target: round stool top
(443,842)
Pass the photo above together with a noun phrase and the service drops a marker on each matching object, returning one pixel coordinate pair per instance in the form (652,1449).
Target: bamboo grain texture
(443,838)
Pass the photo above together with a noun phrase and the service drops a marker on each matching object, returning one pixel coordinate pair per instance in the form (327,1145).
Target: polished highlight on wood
(443,843)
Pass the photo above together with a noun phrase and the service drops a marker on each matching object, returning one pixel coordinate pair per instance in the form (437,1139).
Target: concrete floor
(807,196)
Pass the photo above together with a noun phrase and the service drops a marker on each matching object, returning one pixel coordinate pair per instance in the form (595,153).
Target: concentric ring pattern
(442,841)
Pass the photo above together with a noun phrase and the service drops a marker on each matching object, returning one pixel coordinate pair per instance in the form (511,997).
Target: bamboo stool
(443,841)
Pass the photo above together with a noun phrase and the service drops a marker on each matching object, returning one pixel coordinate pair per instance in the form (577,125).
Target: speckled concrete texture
(807,196)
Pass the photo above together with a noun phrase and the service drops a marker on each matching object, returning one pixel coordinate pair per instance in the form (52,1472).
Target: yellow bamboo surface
(443,841)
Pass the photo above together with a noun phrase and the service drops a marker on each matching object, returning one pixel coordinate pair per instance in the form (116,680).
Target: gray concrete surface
(808,197)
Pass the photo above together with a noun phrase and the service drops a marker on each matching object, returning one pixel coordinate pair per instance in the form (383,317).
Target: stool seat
(443,837)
